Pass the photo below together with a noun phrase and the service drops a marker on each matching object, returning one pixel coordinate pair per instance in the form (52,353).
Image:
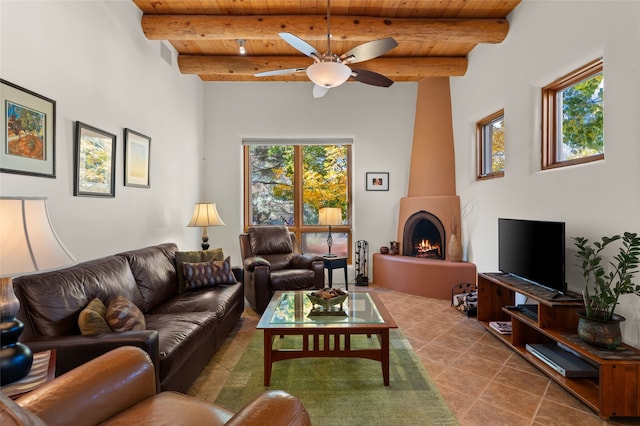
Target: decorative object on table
(205,215)
(384,250)
(95,162)
(330,216)
(331,70)
(362,268)
(328,297)
(137,158)
(28,243)
(42,371)
(599,325)
(395,248)
(28,132)
(376,181)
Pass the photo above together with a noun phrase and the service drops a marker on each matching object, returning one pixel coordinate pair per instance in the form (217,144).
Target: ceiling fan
(330,70)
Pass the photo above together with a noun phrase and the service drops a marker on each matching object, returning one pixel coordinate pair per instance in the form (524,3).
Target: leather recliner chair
(119,388)
(272,261)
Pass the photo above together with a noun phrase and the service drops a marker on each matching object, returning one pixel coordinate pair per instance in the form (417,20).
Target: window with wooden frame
(288,182)
(573,117)
(490,146)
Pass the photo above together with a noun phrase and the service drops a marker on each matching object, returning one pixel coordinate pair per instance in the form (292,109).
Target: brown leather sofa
(272,261)
(118,388)
(183,330)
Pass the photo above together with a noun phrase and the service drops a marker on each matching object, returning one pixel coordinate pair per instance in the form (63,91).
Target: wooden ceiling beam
(243,68)
(313,28)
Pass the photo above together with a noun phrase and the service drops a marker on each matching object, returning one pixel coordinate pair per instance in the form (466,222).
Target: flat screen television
(533,251)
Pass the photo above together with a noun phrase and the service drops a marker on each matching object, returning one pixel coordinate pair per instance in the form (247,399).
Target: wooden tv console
(615,393)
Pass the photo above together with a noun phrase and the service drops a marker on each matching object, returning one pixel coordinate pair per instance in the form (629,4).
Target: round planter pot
(601,333)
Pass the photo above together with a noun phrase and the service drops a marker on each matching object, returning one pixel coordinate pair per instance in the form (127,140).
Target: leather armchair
(119,388)
(272,261)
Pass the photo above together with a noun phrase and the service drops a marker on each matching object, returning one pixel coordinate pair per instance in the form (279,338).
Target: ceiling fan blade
(278,72)
(369,50)
(301,45)
(372,78)
(319,91)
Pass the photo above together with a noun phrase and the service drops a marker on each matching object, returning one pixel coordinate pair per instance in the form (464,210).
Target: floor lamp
(330,216)
(28,243)
(205,215)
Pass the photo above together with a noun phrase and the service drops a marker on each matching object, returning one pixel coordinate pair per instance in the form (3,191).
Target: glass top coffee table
(326,332)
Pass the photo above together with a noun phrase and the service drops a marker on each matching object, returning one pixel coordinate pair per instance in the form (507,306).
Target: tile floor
(483,381)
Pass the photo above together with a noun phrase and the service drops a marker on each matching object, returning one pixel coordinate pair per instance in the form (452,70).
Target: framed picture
(95,162)
(137,150)
(28,132)
(377,181)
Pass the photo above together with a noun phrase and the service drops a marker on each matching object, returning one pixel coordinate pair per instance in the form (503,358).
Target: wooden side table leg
(346,280)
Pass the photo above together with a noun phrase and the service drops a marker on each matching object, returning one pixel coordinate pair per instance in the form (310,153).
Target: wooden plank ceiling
(434,36)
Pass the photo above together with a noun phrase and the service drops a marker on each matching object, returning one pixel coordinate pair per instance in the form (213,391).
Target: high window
(572,117)
(490,146)
(289,182)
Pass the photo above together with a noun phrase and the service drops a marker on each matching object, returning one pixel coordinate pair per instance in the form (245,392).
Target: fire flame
(426,247)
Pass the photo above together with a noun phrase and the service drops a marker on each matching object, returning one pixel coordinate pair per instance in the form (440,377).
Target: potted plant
(599,325)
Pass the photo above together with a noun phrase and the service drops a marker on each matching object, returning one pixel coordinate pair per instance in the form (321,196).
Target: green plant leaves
(604,287)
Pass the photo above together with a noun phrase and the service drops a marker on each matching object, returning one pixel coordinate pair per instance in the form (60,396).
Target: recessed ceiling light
(242,50)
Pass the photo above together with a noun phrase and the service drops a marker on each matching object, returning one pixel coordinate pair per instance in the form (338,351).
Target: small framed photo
(28,132)
(137,155)
(377,181)
(95,162)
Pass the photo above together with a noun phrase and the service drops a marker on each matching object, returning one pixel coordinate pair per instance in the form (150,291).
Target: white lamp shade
(28,242)
(330,216)
(328,74)
(205,214)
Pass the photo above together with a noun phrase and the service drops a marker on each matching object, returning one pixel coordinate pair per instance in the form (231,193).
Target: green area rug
(344,391)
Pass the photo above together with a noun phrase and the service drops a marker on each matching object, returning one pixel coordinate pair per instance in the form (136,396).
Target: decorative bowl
(317,298)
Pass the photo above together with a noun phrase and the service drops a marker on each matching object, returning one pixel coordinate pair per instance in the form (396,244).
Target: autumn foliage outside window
(490,146)
(288,184)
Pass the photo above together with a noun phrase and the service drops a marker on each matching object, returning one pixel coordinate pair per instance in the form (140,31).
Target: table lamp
(205,215)
(28,243)
(330,216)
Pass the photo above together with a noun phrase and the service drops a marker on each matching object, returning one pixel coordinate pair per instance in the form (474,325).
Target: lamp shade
(205,214)
(328,74)
(330,216)
(28,242)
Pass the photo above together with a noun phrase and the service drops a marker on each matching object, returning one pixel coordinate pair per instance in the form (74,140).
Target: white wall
(94,61)
(380,121)
(548,39)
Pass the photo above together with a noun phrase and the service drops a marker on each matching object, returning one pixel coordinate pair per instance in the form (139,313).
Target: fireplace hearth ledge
(422,277)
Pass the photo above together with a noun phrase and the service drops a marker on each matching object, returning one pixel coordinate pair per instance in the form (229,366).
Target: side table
(43,370)
(332,263)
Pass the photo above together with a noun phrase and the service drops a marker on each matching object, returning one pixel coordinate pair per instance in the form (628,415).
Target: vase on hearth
(454,249)
(395,248)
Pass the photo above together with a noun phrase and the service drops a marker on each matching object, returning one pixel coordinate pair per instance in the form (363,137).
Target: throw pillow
(194,257)
(92,319)
(124,315)
(207,274)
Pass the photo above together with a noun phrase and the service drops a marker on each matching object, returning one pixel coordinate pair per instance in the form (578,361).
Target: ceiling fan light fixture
(328,74)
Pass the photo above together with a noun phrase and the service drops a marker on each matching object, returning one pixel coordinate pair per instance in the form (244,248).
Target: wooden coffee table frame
(313,335)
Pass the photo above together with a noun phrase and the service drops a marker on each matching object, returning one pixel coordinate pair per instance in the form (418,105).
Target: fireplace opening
(423,236)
